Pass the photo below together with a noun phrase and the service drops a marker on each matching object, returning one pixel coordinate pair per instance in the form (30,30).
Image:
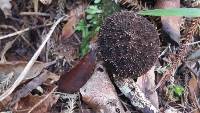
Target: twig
(31,62)
(23,37)
(22,31)
(5,49)
(35,13)
(166,49)
(193,43)
(36,105)
(132,91)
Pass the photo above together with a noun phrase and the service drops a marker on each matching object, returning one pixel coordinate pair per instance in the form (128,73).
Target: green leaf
(190,12)
(177,90)
(88,17)
(81,25)
(97,29)
(97,1)
(84,50)
(93,9)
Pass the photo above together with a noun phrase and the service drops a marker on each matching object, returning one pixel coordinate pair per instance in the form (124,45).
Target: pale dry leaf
(46,2)
(193,89)
(18,66)
(5,6)
(171,110)
(99,92)
(146,83)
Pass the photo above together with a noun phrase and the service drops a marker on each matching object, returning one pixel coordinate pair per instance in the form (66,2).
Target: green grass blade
(190,12)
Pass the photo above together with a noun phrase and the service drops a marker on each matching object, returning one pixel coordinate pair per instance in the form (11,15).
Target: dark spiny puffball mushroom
(128,43)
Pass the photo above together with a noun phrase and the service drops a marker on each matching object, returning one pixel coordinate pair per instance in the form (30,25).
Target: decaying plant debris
(100,56)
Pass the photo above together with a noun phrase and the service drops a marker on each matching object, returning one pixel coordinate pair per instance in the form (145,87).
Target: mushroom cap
(128,44)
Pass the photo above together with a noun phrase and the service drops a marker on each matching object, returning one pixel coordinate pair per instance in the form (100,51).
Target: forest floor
(41,40)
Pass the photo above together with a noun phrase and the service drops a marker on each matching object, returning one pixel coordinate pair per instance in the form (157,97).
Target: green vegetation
(191,12)
(89,27)
(176,90)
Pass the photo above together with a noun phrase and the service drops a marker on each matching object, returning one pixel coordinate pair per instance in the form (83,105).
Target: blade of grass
(190,12)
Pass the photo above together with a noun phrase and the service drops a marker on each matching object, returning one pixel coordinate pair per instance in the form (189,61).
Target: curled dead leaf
(73,80)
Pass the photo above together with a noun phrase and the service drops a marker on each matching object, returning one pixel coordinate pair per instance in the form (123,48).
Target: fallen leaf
(75,15)
(171,24)
(18,66)
(5,6)
(33,84)
(99,92)
(193,89)
(194,55)
(46,2)
(36,103)
(69,27)
(146,84)
(10,71)
(73,80)
(171,110)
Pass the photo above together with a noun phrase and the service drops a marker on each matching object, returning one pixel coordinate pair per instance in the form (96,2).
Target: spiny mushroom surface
(128,43)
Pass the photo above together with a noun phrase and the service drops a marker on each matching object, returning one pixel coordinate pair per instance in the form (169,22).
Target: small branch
(193,43)
(35,13)
(22,31)
(131,90)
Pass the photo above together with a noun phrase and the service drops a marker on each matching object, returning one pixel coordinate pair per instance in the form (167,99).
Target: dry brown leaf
(146,84)
(171,24)
(75,15)
(41,104)
(9,72)
(100,94)
(72,81)
(193,89)
(18,66)
(69,27)
(46,77)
